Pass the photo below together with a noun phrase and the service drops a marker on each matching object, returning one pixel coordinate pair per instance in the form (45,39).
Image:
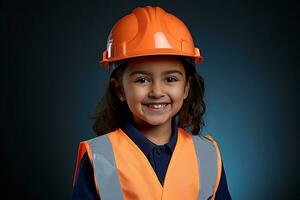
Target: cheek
(134,95)
(177,94)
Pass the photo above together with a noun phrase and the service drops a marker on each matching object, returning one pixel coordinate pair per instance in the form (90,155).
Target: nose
(157,90)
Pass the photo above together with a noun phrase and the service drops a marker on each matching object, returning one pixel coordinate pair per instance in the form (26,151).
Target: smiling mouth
(157,106)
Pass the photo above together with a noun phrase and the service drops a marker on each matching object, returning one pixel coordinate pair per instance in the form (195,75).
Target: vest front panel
(138,179)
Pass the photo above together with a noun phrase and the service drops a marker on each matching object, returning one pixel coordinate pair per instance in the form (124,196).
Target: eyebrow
(148,73)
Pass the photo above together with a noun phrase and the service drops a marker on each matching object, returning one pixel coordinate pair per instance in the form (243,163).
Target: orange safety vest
(122,171)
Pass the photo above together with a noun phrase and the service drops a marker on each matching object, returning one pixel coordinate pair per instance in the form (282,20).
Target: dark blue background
(51,83)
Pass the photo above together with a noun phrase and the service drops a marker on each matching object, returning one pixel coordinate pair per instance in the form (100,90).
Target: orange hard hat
(149,31)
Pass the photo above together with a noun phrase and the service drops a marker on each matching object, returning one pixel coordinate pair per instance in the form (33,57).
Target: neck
(158,134)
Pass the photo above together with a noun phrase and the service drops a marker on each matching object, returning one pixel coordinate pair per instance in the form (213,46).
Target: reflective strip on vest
(101,154)
(208,166)
(105,170)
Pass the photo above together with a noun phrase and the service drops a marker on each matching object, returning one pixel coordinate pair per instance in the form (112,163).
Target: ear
(118,89)
(187,88)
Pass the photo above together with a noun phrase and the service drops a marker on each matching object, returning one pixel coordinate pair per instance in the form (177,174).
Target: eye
(142,80)
(170,79)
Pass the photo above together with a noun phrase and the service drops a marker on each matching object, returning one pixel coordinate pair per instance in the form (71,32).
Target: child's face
(154,88)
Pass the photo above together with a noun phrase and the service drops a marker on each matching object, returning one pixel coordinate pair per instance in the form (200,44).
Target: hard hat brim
(197,58)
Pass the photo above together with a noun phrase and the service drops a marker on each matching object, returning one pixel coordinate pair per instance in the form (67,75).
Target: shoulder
(94,140)
(101,139)
(205,140)
(198,139)
(212,141)
(210,138)
(201,142)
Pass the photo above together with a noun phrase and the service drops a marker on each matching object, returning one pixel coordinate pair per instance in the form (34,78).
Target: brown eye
(171,79)
(141,80)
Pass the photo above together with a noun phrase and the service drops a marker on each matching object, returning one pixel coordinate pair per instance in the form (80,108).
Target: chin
(157,121)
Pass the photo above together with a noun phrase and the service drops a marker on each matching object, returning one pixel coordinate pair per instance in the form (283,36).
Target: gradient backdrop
(51,83)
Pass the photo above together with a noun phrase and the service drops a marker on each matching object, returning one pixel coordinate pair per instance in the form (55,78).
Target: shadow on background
(51,83)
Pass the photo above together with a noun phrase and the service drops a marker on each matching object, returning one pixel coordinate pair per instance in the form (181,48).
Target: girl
(148,123)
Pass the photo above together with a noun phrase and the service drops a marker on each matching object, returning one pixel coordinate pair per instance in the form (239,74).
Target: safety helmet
(149,31)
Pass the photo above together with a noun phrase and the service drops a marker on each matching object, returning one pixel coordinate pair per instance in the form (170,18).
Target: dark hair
(111,112)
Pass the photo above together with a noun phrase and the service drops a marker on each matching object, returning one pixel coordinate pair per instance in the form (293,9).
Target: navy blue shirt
(158,155)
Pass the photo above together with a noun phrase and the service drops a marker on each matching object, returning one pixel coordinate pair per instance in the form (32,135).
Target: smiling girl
(149,144)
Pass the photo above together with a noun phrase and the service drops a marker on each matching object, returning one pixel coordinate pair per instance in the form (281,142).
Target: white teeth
(157,106)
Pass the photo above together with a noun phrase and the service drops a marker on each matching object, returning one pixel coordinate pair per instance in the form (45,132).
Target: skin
(153,80)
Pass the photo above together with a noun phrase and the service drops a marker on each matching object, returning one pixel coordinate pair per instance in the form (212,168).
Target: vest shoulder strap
(100,153)
(109,185)
(210,165)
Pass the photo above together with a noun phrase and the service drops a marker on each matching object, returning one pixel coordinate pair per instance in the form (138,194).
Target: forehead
(154,64)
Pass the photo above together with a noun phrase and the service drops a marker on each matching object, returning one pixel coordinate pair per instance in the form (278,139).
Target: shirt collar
(144,143)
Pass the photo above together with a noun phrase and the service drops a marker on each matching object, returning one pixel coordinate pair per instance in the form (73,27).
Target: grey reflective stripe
(105,168)
(208,166)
